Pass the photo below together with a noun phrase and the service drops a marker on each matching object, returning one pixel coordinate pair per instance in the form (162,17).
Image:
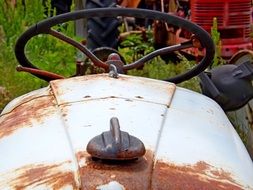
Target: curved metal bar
(158,52)
(79,46)
(39,72)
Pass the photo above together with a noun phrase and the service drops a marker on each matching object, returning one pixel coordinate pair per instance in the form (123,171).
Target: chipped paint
(26,98)
(112,185)
(39,176)
(191,177)
(130,174)
(139,174)
(26,114)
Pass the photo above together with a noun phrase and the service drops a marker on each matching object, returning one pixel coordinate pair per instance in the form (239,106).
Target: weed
(44,51)
(217,60)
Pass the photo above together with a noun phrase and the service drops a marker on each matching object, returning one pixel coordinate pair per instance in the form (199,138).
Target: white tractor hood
(190,143)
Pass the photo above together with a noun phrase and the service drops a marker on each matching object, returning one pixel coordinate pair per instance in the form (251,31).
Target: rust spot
(23,115)
(131,174)
(27,98)
(199,176)
(35,175)
(140,175)
(171,91)
(140,97)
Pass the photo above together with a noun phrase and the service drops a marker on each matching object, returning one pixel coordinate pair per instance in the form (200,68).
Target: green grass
(52,55)
(44,51)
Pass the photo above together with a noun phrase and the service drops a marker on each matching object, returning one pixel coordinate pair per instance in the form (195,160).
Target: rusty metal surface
(131,175)
(198,176)
(39,72)
(24,115)
(189,141)
(39,176)
(145,174)
(25,98)
(34,142)
(204,134)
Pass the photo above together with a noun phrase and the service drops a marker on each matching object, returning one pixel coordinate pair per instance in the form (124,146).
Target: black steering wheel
(44,27)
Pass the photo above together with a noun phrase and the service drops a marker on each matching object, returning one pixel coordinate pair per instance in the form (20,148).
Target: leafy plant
(217,42)
(44,51)
(137,45)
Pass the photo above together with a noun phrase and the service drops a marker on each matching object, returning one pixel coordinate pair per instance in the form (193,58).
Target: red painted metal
(234,19)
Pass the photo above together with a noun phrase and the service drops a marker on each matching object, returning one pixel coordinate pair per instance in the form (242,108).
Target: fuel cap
(115,144)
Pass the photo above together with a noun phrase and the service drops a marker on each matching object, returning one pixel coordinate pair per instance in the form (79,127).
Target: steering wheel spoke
(169,49)
(97,62)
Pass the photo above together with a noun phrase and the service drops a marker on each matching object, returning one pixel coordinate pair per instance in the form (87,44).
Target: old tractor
(233,44)
(115,131)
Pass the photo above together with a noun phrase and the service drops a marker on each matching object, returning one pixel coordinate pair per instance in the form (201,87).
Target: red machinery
(234,20)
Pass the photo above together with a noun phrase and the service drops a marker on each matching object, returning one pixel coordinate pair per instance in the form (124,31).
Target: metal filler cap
(115,144)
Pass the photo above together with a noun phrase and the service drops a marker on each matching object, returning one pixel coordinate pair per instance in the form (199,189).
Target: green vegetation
(216,39)
(52,56)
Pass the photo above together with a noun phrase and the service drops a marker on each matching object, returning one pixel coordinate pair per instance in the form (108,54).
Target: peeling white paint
(113,185)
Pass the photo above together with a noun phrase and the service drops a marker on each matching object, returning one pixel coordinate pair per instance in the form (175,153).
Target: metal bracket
(113,71)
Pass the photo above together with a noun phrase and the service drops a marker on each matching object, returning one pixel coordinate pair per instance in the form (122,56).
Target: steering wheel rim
(44,27)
